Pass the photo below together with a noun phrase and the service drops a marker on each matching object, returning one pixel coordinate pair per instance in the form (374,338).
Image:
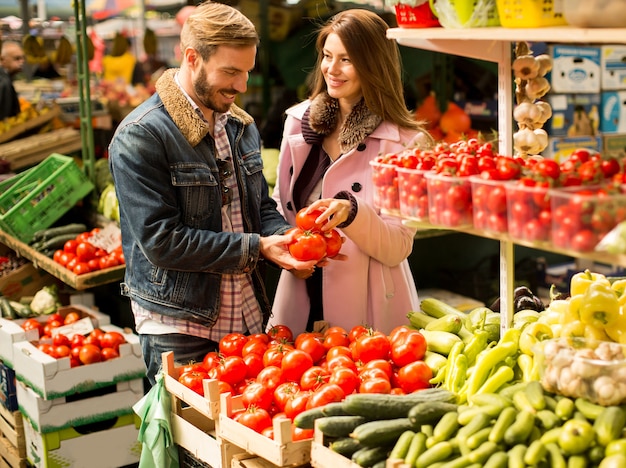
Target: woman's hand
(335,212)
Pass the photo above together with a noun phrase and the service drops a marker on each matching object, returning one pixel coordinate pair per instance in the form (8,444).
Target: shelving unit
(496,45)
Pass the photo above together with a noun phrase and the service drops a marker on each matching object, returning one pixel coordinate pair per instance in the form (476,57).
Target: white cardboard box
(54,415)
(613,65)
(613,112)
(573,114)
(560,148)
(112,446)
(54,378)
(575,69)
(12,332)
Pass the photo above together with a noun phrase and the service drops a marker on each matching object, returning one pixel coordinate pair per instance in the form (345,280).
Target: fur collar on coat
(324,114)
(191,125)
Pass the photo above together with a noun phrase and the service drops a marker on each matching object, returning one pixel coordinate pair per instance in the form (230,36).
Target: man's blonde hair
(214,24)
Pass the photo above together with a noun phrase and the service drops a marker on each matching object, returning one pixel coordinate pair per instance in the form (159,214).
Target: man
(11,62)
(195,211)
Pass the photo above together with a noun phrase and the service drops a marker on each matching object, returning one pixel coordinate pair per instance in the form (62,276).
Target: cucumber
(22,310)
(306,419)
(339,426)
(6,310)
(369,456)
(429,412)
(335,408)
(382,432)
(345,446)
(401,448)
(45,234)
(386,406)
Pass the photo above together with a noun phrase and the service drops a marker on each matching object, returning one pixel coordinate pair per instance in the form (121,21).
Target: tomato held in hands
(333,242)
(307,245)
(306,221)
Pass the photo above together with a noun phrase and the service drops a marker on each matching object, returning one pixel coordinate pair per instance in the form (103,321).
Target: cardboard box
(575,69)
(613,112)
(614,145)
(560,148)
(97,445)
(280,451)
(613,66)
(53,378)
(11,331)
(60,413)
(23,281)
(573,115)
(8,393)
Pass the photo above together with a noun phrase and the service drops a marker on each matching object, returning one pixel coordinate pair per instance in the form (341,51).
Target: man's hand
(276,249)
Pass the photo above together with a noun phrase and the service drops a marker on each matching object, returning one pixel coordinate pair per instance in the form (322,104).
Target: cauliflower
(46,300)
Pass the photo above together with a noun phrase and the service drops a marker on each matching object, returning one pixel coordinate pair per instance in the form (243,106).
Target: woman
(355,112)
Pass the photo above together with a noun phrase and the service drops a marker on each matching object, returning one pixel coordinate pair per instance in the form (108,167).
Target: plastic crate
(531,13)
(419,16)
(455,14)
(41,196)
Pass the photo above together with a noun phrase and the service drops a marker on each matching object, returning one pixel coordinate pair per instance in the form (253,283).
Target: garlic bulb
(525,67)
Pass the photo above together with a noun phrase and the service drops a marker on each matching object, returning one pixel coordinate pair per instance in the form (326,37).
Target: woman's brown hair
(376,59)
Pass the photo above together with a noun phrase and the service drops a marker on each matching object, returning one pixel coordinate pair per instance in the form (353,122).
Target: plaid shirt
(239,309)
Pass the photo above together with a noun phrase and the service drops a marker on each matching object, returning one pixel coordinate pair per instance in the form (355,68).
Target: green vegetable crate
(41,196)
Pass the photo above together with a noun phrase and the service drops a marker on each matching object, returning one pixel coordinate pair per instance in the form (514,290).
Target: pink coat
(374,286)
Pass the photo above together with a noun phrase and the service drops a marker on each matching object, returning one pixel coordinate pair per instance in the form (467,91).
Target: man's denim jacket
(163,162)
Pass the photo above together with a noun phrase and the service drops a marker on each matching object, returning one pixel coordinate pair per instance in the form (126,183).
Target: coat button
(361,147)
(356,187)
(289,206)
(291,170)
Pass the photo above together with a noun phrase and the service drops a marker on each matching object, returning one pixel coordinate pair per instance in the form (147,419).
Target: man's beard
(205,93)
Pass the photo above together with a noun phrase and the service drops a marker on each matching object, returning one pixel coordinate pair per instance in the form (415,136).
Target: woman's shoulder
(297,110)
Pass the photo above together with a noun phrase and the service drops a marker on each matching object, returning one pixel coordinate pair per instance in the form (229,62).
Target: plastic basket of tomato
(489,204)
(413,193)
(582,216)
(385,180)
(449,200)
(529,212)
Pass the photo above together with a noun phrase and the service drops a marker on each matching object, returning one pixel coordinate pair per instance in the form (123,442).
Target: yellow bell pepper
(575,329)
(583,279)
(600,307)
(619,287)
(596,334)
(533,334)
(572,313)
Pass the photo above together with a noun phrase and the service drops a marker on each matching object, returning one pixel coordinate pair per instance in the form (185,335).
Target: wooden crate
(281,451)
(194,418)
(12,439)
(323,457)
(247,460)
(33,149)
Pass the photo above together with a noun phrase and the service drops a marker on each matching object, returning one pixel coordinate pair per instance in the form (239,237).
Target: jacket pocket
(198,193)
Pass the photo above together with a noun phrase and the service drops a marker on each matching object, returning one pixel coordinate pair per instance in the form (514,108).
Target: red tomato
(373,373)
(232,344)
(54,317)
(307,245)
(192,367)
(89,354)
(61,351)
(346,378)
(297,433)
(331,340)
(254,346)
(408,348)
(109,353)
(312,345)
(85,251)
(297,404)
(254,362)
(256,419)
(94,264)
(334,241)
(414,376)
(33,324)
(271,377)
(211,360)
(280,333)
(70,246)
(381,364)
(314,377)
(57,255)
(327,393)
(294,363)
(373,345)
(112,339)
(306,221)
(46,348)
(232,369)
(71,317)
(375,385)
(284,392)
(357,331)
(77,340)
(340,361)
(61,339)
(338,351)
(108,261)
(273,355)
(255,394)
(193,379)
(65,258)
(224,387)
(81,268)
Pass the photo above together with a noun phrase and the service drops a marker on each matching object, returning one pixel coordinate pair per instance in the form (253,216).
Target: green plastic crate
(41,196)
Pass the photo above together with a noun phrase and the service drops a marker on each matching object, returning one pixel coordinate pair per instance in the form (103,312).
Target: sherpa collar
(324,114)
(191,125)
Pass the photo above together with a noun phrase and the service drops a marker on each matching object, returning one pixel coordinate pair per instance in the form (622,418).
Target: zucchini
(45,234)
(339,426)
(437,308)
(430,412)
(382,432)
(369,456)
(345,446)
(388,406)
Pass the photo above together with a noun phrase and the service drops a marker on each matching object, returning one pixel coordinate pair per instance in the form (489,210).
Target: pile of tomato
(97,346)
(80,256)
(279,375)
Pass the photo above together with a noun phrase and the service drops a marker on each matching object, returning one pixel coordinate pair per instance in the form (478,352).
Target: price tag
(108,238)
(83,326)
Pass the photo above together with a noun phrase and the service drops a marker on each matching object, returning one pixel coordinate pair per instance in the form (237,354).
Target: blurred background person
(11,63)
